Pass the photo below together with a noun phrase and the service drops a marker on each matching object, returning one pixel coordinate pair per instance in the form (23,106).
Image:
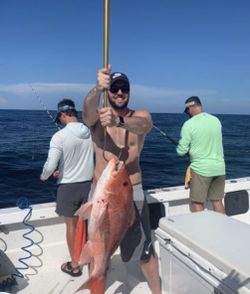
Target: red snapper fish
(110,213)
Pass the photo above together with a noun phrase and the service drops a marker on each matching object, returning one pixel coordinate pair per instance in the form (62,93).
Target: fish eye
(125,184)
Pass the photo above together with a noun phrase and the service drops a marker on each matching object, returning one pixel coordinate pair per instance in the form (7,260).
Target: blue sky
(170,49)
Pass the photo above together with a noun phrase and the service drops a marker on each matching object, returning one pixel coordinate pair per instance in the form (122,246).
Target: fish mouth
(114,167)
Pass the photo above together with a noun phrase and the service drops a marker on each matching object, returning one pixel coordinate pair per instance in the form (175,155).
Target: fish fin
(86,255)
(102,212)
(84,211)
(95,284)
(80,239)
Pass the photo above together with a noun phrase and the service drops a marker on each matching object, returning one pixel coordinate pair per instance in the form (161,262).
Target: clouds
(25,95)
(3,102)
(24,88)
(151,98)
(29,96)
(160,99)
(161,49)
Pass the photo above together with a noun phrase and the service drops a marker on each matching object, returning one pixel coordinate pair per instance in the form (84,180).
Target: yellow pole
(106,45)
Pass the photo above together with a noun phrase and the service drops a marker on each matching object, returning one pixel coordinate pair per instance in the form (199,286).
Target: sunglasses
(116,87)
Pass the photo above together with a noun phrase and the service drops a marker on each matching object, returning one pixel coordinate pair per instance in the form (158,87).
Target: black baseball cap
(118,76)
(194,100)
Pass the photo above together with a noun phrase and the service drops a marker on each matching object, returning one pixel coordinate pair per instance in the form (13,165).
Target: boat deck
(50,279)
(49,251)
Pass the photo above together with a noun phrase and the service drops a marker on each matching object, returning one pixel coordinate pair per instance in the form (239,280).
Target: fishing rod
(165,135)
(106,63)
(188,170)
(44,106)
(106,45)
(46,109)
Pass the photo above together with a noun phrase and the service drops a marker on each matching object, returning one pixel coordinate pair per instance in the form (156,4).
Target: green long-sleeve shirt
(201,138)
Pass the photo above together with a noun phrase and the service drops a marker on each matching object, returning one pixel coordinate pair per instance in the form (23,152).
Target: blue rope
(22,203)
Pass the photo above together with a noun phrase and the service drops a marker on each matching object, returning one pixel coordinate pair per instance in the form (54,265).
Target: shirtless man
(119,132)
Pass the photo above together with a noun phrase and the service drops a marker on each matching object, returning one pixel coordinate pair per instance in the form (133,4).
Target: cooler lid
(221,240)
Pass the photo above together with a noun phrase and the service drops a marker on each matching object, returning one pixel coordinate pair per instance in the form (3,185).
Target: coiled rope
(22,203)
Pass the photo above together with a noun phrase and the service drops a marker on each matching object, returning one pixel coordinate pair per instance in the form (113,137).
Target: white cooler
(204,252)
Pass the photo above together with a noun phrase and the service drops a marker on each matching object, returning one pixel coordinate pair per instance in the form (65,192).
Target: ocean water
(25,137)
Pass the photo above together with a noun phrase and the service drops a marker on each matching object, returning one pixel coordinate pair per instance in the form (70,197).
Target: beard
(118,107)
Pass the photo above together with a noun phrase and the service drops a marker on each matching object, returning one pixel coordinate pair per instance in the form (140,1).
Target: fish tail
(80,239)
(96,285)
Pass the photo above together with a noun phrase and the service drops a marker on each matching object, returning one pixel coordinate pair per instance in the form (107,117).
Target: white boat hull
(49,250)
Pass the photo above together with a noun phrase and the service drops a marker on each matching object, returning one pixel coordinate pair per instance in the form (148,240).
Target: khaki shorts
(206,188)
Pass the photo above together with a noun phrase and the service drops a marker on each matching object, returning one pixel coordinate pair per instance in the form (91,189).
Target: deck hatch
(236,202)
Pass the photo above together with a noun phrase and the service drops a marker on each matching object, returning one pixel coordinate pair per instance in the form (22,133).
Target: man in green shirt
(201,139)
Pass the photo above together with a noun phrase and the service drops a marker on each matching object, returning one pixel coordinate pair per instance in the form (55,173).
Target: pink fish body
(110,213)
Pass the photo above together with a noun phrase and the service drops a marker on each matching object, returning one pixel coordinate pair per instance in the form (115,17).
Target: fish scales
(110,213)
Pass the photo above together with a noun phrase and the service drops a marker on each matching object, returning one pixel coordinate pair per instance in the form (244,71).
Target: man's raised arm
(92,99)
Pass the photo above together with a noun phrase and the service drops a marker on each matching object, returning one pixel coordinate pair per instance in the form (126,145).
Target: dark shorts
(206,188)
(70,197)
(137,243)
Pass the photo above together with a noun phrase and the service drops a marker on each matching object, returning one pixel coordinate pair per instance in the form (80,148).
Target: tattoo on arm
(90,106)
